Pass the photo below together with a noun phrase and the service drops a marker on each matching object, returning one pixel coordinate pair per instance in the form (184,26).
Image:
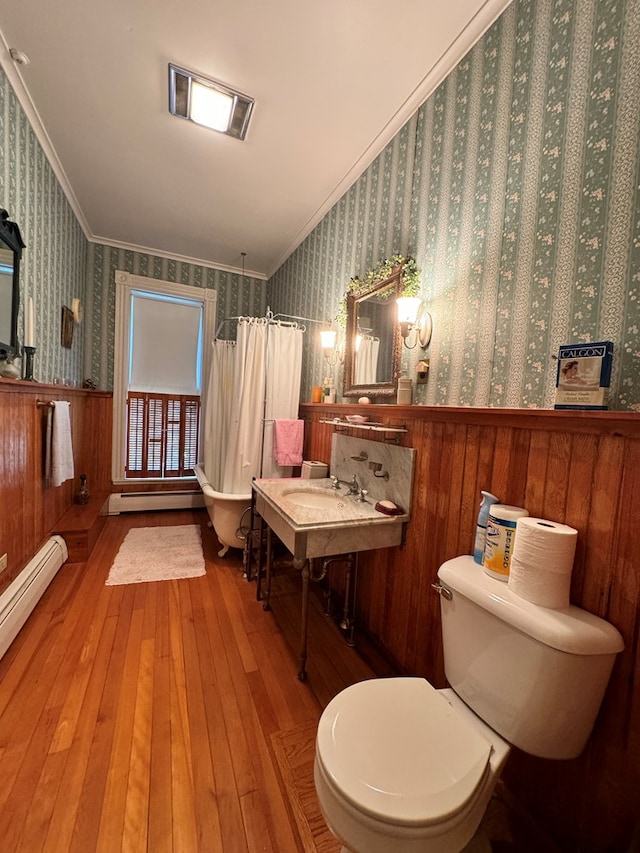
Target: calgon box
(584,375)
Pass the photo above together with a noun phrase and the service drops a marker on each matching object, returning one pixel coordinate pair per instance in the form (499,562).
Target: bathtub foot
(222,552)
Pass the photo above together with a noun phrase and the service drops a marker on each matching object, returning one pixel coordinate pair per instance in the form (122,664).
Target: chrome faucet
(352,485)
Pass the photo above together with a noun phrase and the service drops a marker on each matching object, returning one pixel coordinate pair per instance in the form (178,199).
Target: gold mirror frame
(392,285)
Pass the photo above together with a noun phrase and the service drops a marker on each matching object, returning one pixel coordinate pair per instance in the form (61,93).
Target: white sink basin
(315,500)
(317,521)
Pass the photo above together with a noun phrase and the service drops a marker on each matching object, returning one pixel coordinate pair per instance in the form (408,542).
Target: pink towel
(287,442)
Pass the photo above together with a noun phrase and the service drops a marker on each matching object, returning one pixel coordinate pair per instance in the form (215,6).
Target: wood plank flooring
(168,717)
(139,718)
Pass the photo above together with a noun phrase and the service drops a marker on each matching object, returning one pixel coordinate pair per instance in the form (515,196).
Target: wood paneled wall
(581,469)
(29,508)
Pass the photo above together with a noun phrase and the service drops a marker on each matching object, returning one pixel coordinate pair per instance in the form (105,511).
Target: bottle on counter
(82,495)
(488,500)
(404,387)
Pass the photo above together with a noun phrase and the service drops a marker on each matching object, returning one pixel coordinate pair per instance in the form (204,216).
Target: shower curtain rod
(293,317)
(270,317)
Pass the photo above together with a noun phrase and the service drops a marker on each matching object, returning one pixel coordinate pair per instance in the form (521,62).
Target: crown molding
(184,259)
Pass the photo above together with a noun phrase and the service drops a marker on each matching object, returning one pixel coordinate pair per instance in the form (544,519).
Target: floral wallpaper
(52,268)
(516,188)
(60,264)
(237,295)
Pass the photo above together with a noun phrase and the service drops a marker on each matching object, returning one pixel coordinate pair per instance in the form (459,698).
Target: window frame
(125,283)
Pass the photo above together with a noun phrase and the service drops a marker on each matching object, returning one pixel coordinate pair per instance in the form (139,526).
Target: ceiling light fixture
(208,103)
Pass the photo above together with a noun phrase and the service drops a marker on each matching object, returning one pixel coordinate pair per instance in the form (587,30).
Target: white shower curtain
(267,362)
(217,411)
(284,366)
(367,361)
(245,425)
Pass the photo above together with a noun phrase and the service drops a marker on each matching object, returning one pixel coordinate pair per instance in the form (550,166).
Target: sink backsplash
(397,461)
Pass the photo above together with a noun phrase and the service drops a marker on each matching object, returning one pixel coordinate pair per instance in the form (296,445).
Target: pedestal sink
(315,521)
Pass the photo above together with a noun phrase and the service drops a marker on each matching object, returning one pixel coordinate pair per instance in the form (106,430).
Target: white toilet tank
(536,676)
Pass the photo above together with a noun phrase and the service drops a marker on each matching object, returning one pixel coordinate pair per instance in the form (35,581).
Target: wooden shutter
(162,434)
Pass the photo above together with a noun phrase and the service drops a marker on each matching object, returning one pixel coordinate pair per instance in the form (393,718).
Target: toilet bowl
(402,766)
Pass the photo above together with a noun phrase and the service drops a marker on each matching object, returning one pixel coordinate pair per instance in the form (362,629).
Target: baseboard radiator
(146,501)
(22,595)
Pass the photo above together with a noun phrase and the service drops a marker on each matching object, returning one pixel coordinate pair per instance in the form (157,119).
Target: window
(159,362)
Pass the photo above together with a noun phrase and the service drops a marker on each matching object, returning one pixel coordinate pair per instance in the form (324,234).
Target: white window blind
(166,344)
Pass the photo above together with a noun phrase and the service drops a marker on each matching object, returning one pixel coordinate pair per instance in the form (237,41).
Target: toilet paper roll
(542,562)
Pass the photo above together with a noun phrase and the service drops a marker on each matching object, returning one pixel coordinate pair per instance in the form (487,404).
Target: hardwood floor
(140,717)
(168,717)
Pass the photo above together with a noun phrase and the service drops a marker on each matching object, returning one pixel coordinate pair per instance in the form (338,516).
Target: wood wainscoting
(579,468)
(31,509)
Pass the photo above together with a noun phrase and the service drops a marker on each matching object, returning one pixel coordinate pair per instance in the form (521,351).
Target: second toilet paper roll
(542,562)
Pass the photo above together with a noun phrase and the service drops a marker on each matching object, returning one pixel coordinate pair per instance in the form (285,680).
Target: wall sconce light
(414,317)
(332,352)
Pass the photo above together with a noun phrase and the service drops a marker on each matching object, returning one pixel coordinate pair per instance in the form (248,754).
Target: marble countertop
(341,510)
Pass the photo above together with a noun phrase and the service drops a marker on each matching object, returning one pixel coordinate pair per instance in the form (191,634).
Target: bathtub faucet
(352,485)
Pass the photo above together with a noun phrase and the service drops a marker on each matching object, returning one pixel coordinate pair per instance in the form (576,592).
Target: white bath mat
(158,554)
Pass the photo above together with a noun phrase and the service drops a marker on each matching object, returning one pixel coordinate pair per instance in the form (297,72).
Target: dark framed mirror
(373,346)
(11,246)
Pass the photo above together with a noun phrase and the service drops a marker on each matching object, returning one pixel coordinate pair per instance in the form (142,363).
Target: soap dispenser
(488,500)
(332,391)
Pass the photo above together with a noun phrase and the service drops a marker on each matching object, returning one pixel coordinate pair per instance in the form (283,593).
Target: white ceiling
(333,81)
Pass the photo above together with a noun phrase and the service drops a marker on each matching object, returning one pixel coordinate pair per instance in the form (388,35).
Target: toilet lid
(397,750)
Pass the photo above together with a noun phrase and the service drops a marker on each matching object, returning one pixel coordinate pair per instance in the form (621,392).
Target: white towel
(59,451)
(287,441)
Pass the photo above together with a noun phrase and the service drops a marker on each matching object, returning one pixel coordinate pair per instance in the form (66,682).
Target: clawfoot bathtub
(226,513)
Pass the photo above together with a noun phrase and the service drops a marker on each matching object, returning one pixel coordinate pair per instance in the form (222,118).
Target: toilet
(402,766)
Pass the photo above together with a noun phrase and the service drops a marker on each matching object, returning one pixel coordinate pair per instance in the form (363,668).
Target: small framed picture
(66,328)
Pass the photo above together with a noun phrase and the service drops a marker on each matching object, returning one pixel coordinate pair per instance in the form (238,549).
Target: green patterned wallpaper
(59,262)
(515,187)
(52,269)
(236,295)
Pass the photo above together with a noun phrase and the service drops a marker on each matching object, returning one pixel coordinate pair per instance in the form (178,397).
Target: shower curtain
(217,411)
(238,435)
(284,360)
(367,361)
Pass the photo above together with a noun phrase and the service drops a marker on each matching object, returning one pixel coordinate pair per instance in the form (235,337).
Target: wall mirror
(373,346)
(11,247)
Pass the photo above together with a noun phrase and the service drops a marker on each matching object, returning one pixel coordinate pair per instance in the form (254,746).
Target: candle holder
(29,352)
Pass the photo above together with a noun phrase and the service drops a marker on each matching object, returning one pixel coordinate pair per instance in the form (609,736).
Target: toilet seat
(433,759)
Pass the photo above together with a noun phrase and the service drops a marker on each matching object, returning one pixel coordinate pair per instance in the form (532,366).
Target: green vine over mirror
(410,281)
(372,342)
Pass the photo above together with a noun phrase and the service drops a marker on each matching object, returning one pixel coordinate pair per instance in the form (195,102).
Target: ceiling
(333,82)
